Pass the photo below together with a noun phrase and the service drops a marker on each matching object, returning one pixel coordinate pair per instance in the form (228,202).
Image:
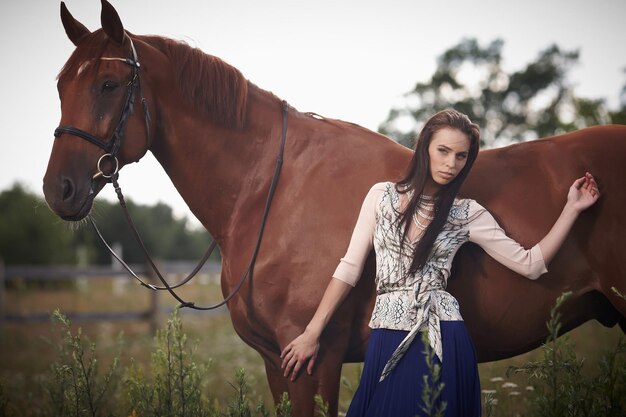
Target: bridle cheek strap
(112,146)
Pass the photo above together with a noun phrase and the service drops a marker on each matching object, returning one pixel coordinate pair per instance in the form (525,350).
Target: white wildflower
(509,385)
(488,391)
(514,393)
(497,379)
(530,388)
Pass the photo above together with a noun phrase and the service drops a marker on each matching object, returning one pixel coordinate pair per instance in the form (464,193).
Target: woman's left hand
(583,193)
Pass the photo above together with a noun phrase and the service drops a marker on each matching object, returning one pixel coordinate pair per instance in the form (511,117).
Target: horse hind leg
(610,308)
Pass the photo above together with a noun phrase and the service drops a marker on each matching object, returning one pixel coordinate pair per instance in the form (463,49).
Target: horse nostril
(68,189)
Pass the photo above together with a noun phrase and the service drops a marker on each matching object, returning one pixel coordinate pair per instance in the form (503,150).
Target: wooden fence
(48,273)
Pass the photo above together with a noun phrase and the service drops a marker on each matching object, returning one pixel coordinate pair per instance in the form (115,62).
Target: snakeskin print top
(413,302)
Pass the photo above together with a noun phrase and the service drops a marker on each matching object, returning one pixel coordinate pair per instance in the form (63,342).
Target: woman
(416,227)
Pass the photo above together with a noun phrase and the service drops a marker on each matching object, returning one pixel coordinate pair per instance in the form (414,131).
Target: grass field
(27,350)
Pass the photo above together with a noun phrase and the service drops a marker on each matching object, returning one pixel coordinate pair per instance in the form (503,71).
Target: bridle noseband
(111,149)
(112,146)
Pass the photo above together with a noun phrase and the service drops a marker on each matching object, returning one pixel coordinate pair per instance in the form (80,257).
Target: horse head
(101,128)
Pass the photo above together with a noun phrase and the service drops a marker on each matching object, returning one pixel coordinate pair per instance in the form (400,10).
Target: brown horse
(216,135)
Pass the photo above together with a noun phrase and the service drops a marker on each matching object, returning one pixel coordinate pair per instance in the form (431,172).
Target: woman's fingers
(588,192)
(584,192)
(309,368)
(286,355)
(291,362)
(591,185)
(293,367)
(579,182)
(288,363)
(594,186)
(286,359)
(296,369)
(298,354)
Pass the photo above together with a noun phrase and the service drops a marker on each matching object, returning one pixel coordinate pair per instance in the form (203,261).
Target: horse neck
(217,170)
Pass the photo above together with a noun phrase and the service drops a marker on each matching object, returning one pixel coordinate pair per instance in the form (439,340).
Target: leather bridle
(112,148)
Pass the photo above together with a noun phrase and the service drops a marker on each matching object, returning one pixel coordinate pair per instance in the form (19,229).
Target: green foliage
(432,388)
(176,390)
(321,406)
(4,403)
(175,386)
(75,388)
(165,236)
(618,293)
(345,382)
(29,232)
(489,404)
(283,408)
(619,116)
(561,386)
(240,406)
(535,101)
(602,392)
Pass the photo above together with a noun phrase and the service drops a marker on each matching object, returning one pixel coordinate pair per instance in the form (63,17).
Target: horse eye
(109,86)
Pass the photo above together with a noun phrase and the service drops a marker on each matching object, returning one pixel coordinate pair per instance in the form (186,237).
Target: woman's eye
(443,150)
(109,86)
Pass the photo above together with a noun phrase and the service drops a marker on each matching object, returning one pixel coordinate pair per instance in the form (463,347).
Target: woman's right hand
(305,347)
(296,354)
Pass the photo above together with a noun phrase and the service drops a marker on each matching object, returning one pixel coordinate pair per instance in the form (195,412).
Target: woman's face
(448,151)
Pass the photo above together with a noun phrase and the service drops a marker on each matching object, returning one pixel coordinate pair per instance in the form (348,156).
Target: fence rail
(43,273)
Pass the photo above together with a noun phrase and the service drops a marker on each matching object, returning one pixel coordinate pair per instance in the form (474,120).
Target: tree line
(534,101)
(31,234)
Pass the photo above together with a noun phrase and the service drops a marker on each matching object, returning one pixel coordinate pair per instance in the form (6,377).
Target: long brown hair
(418,174)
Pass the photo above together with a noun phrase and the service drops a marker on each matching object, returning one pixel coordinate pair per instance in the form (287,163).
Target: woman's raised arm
(531,263)
(582,194)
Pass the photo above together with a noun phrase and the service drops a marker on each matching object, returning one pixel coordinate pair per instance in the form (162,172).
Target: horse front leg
(327,379)
(324,382)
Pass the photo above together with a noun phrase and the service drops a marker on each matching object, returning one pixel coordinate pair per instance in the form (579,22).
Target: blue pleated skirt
(400,393)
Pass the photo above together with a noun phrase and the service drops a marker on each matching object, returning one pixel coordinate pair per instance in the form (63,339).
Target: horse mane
(216,89)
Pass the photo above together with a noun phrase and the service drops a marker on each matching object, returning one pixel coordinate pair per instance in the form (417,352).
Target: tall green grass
(173,374)
(559,384)
(172,386)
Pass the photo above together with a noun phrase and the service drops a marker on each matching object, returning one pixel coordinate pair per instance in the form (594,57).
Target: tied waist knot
(426,297)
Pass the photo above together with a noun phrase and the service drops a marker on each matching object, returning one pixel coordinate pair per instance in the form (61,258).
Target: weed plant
(172,387)
(74,386)
(175,388)
(561,388)
(432,388)
(3,401)
(175,385)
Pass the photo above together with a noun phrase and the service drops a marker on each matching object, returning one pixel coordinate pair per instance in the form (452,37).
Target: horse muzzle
(69,199)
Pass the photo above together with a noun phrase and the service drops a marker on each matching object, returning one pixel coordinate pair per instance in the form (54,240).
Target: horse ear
(75,30)
(111,23)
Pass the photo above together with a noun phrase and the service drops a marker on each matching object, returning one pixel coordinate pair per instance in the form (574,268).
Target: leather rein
(111,149)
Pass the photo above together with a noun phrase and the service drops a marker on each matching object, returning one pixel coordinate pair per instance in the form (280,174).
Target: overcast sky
(351,59)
